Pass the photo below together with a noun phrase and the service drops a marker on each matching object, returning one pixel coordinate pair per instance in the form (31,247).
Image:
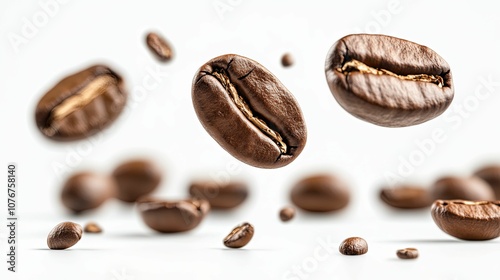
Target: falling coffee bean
(64,235)
(406,197)
(136,178)
(491,174)
(248,111)
(467,188)
(92,227)
(388,81)
(239,236)
(86,190)
(353,246)
(159,46)
(172,216)
(220,195)
(407,253)
(287,213)
(81,105)
(287,60)
(320,193)
(468,220)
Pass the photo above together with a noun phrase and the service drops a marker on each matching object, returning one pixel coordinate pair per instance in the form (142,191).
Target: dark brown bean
(491,174)
(248,111)
(388,81)
(81,105)
(64,235)
(86,190)
(287,213)
(407,253)
(222,196)
(468,220)
(159,46)
(287,60)
(353,246)
(320,193)
(466,188)
(173,216)
(136,178)
(406,197)
(92,227)
(239,236)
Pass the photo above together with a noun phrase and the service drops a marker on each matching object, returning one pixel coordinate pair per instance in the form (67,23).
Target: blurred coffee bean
(406,197)
(92,227)
(136,178)
(320,193)
(287,213)
(466,188)
(84,191)
(220,195)
(491,174)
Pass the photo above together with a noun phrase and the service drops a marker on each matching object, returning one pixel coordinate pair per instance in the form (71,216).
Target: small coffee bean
(468,220)
(287,60)
(248,111)
(353,246)
(86,190)
(388,81)
(136,178)
(491,174)
(287,213)
(64,235)
(467,188)
(239,236)
(173,216)
(92,227)
(406,197)
(159,46)
(407,253)
(81,105)
(320,193)
(221,196)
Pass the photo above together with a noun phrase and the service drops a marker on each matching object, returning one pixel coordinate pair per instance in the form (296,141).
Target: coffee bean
(220,195)
(172,216)
(287,60)
(159,46)
(320,193)
(353,246)
(388,81)
(467,188)
(64,235)
(136,178)
(287,213)
(407,253)
(248,111)
(92,227)
(239,236)
(85,191)
(81,105)
(406,197)
(468,220)
(491,174)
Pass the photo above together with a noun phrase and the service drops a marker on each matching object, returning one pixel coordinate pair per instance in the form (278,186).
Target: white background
(161,124)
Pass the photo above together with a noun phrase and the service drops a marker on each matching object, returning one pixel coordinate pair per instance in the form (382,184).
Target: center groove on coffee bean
(247,112)
(355,65)
(87,94)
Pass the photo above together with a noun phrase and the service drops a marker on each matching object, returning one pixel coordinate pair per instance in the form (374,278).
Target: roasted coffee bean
(287,60)
(173,216)
(64,235)
(407,253)
(388,81)
(220,195)
(468,220)
(85,191)
(467,188)
(406,197)
(320,193)
(239,236)
(92,227)
(287,213)
(136,178)
(248,111)
(353,246)
(491,174)
(159,46)
(81,105)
